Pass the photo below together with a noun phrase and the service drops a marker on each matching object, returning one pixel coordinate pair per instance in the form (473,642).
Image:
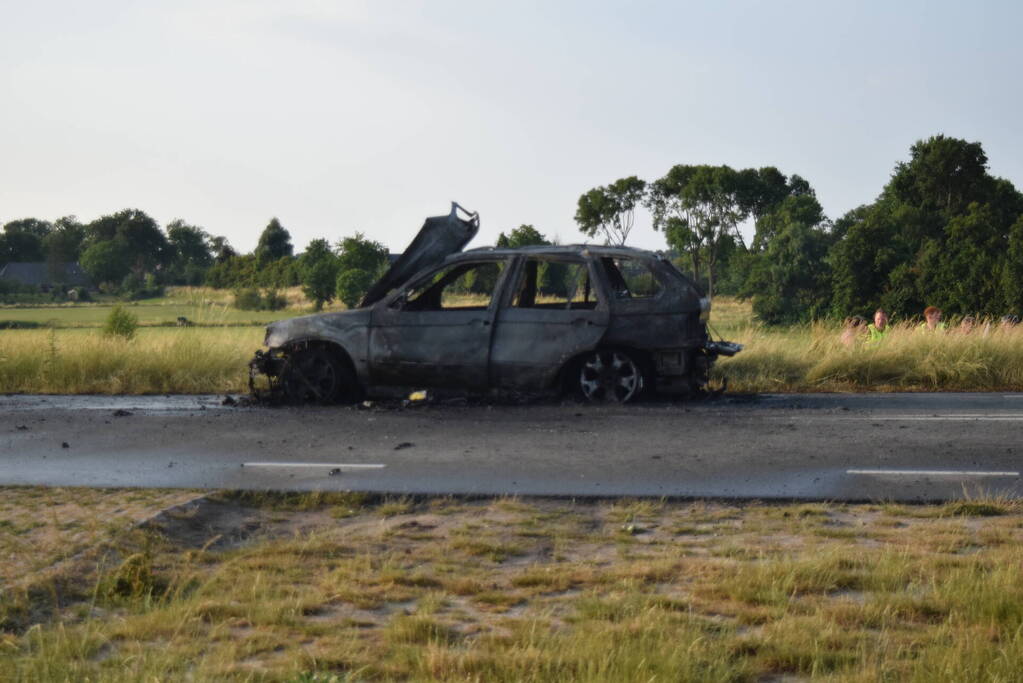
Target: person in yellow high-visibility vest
(879,328)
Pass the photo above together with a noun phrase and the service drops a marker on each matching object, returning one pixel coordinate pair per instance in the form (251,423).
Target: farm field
(201,306)
(347,587)
(211,357)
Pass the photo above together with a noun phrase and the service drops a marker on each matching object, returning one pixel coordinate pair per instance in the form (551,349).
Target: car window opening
(462,287)
(630,279)
(555,284)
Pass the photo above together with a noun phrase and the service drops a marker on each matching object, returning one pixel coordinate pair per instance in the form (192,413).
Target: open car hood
(439,237)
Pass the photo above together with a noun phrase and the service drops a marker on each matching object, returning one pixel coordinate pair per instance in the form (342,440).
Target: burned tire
(610,376)
(313,375)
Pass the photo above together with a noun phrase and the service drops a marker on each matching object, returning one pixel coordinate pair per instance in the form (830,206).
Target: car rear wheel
(610,376)
(313,375)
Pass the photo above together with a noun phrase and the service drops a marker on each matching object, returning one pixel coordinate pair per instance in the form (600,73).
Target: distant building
(45,276)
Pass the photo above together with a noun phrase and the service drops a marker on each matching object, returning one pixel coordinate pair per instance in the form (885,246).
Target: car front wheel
(313,375)
(610,376)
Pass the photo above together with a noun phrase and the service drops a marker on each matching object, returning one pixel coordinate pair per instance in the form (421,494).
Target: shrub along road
(851,447)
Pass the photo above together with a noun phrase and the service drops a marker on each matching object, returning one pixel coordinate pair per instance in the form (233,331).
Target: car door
(437,332)
(552,313)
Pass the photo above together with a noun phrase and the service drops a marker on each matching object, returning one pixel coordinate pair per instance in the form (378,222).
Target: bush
(250,299)
(121,323)
(135,286)
(274,300)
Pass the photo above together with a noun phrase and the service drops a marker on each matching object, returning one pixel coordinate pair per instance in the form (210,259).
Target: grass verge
(807,358)
(345,587)
(156,361)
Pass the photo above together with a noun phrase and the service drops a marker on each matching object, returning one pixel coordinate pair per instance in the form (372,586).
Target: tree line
(943,232)
(127,253)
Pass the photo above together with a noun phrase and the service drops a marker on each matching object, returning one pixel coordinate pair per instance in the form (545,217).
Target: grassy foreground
(214,359)
(320,587)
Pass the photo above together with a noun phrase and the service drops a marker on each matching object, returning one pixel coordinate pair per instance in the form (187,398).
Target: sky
(368,116)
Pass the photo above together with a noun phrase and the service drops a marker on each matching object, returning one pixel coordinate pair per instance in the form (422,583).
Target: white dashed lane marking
(330,465)
(934,473)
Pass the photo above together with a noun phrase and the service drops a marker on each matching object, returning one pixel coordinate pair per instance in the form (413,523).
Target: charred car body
(607,322)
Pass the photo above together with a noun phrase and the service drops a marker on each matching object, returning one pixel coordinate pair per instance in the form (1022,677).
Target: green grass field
(341,587)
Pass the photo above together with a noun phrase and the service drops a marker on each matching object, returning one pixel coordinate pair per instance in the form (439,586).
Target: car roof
(558,250)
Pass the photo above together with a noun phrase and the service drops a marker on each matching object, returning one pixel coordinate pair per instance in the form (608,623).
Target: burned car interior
(609,324)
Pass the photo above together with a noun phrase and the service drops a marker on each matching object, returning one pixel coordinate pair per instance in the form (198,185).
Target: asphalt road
(905,447)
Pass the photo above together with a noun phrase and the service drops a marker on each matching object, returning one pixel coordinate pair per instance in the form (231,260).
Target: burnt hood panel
(439,237)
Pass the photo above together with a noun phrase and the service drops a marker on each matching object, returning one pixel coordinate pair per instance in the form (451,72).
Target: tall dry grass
(813,358)
(156,361)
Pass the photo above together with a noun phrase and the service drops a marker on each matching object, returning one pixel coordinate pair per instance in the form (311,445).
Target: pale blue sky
(344,116)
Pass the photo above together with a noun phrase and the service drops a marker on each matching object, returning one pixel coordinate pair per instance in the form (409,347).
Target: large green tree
(701,207)
(939,233)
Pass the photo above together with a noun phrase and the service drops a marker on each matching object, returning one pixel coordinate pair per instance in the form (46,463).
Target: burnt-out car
(609,323)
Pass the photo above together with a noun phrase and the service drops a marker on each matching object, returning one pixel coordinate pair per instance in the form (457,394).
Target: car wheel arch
(338,353)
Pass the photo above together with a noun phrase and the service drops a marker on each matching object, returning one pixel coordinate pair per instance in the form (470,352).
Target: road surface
(905,447)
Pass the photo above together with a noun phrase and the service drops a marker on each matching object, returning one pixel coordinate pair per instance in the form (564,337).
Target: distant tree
(940,233)
(609,210)
(222,250)
(319,267)
(359,253)
(20,246)
(143,244)
(800,208)
(274,242)
(191,252)
(31,226)
(64,243)
(106,262)
(522,236)
(697,206)
(352,285)
(943,174)
(361,262)
(789,282)
(1012,270)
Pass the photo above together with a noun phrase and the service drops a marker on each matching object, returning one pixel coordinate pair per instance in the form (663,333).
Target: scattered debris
(403,445)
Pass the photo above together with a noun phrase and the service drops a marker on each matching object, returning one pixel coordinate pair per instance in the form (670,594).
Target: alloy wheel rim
(610,377)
